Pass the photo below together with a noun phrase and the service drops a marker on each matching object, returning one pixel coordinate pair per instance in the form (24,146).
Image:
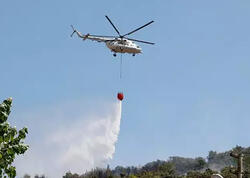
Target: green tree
(166,170)
(132,176)
(26,176)
(194,174)
(197,174)
(200,163)
(11,141)
(225,172)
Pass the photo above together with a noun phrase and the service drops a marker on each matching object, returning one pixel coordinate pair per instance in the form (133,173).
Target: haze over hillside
(175,167)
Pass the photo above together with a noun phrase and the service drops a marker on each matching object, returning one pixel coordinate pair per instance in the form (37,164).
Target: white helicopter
(117,44)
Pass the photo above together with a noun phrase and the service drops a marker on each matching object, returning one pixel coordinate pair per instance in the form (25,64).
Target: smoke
(85,142)
(217,166)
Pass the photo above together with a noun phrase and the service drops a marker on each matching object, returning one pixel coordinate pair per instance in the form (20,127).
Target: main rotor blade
(141,41)
(113,25)
(138,28)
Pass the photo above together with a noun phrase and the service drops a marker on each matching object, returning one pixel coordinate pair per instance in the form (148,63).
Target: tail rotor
(74,30)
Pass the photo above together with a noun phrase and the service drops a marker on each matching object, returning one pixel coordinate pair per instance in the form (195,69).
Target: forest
(175,167)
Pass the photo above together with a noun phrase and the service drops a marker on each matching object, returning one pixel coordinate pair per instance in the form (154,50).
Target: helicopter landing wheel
(114,54)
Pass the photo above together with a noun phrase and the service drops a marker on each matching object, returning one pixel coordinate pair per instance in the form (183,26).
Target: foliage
(183,165)
(157,169)
(197,174)
(37,176)
(225,172)
(11,141)
(177,167)
(26,176)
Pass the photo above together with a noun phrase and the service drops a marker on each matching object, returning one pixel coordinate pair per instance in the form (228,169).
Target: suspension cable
(121,66)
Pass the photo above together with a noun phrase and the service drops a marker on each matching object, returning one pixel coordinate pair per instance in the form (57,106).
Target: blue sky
(186,95)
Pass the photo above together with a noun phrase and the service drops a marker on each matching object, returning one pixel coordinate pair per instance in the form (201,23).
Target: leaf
(10,152)
(11,145)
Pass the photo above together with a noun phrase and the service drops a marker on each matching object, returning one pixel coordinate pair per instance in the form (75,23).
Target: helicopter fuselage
(123,46)
(117,44)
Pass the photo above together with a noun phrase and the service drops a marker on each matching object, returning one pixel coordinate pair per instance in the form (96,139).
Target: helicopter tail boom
(78,33)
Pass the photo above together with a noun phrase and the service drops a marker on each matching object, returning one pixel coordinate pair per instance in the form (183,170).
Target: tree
(37,176)
(194,174)
(166,170)
(197,174)
(200,163)
(225,172)
(211,155)
(26,176)
(70,175)
(11,141)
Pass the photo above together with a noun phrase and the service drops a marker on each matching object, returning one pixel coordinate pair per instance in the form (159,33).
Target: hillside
(176,167)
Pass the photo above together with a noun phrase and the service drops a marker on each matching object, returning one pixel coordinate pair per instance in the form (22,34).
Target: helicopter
(117,44)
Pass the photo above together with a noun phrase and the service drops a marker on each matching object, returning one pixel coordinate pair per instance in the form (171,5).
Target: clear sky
(185,96)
